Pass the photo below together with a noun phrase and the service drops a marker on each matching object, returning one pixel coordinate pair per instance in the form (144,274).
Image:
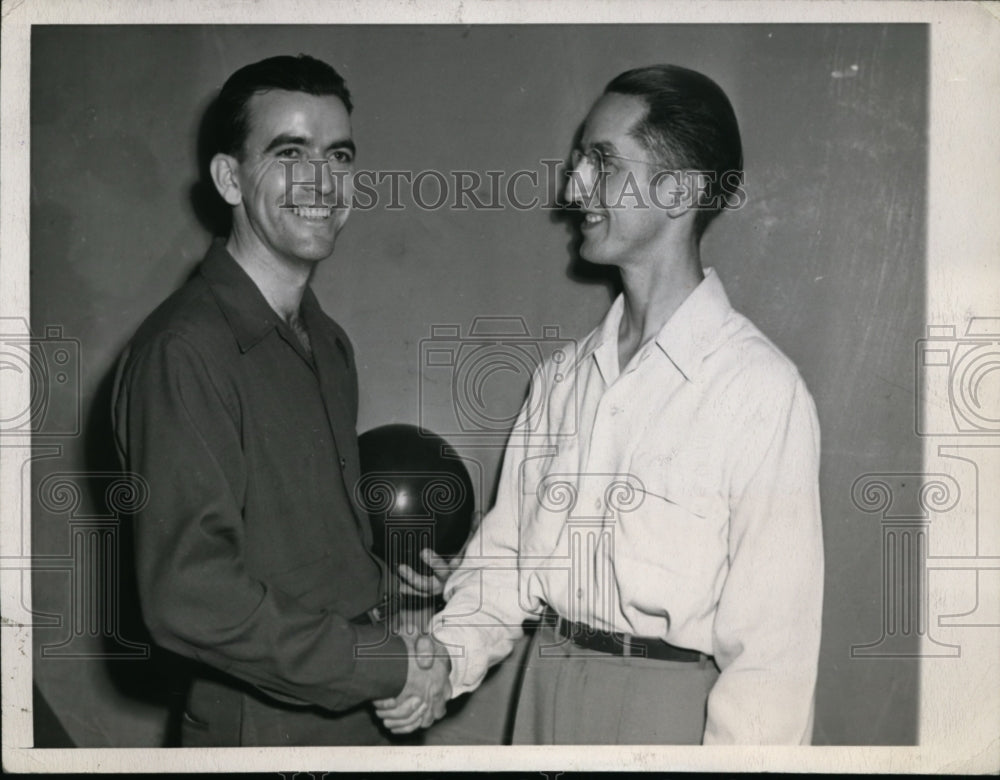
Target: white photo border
(960,698)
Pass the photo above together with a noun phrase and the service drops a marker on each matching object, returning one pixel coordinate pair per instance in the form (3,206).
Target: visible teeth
(593,217)
(312,212)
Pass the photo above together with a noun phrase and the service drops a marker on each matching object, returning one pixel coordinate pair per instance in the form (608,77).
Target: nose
(325,178)
(571,192)
(331,180)
(580,182)
(311,176)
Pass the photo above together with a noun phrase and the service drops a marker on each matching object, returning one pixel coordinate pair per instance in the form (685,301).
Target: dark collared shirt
(251,555)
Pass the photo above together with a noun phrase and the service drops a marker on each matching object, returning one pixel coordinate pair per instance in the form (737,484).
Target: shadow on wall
(162,679)
(212,212)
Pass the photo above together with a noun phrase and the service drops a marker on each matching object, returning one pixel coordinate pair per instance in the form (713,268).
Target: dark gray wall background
(827,258)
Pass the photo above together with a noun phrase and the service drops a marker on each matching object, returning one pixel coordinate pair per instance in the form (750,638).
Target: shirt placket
(593,519)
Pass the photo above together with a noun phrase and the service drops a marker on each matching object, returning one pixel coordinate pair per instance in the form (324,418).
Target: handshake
(425,695)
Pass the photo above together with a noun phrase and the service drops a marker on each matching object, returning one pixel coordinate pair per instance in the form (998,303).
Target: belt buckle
(563,630)
(635,649)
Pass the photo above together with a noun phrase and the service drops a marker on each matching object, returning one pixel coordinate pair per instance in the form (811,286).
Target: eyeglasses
(595,158)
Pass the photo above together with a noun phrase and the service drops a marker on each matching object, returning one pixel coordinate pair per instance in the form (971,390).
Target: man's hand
(413,583)
(422,700)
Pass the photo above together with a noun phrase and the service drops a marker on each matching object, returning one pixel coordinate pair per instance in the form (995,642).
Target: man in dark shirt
(237,401)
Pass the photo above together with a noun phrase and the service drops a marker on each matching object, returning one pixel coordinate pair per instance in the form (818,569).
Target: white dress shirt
(677,498)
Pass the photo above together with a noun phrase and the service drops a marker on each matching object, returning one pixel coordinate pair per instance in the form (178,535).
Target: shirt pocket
(671,552)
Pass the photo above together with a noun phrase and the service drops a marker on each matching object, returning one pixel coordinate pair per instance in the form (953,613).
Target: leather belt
(614,643)
(388,606)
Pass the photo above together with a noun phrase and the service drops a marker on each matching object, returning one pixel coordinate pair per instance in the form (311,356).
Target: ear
(224,168)
(672,192)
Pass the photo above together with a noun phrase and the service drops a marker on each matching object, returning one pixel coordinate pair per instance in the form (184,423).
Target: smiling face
(290,189)
(624,224)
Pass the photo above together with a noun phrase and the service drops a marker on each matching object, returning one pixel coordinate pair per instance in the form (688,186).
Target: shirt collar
(685,339)
(246,310)
(691,332)
(605,346)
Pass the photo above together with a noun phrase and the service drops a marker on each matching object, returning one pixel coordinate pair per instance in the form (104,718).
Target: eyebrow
(286,139)
(604,147)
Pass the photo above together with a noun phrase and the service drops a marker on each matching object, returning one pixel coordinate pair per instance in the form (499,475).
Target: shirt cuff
(456,641)
(381,663)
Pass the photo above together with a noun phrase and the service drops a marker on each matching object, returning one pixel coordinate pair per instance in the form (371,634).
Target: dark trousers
(222,712)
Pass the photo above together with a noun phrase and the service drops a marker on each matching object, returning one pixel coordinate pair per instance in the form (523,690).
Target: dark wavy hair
(295,74)
(689,125)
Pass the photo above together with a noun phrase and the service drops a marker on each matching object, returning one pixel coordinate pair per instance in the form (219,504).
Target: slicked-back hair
(294,74)
(689,125)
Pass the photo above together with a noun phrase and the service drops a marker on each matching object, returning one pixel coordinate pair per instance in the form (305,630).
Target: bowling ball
(417,493)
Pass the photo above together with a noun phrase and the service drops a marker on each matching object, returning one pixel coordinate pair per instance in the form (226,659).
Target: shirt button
(343,463)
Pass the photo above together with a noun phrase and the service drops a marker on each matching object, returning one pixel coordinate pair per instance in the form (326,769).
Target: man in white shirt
(658,507)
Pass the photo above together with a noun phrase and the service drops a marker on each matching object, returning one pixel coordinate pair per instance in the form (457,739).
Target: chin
(313,254)
(595,256)
(319,248)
